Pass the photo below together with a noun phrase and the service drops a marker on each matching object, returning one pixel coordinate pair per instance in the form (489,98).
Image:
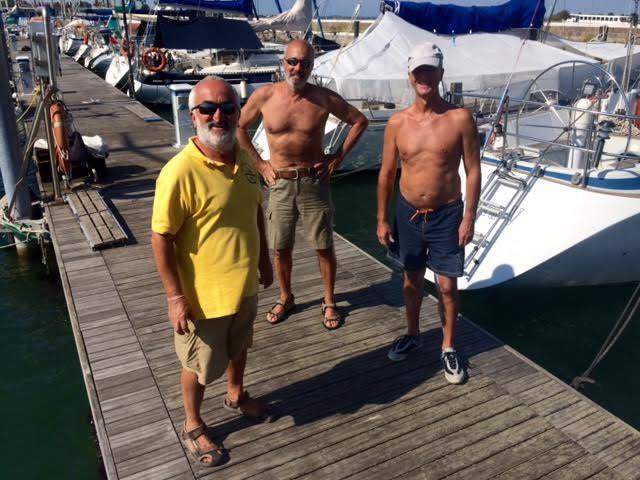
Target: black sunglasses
(293,61)
(210,108)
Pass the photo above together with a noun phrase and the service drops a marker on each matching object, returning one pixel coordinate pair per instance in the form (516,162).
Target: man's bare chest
(434,140)
(302,117)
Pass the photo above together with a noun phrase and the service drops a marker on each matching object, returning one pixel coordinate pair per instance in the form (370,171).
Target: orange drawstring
(423,211)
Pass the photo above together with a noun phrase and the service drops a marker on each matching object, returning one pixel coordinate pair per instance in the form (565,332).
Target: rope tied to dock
(615,333)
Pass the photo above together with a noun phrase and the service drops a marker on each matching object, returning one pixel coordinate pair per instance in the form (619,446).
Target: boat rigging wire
(621,324)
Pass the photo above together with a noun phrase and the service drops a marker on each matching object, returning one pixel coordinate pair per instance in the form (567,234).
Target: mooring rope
(623,321)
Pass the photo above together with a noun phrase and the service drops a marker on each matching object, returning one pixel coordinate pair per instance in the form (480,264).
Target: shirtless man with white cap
(432,225)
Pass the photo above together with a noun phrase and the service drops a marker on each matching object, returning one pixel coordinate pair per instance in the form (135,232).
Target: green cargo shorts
(306,198)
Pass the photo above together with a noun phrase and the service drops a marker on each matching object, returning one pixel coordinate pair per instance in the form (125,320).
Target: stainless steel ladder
(505,178)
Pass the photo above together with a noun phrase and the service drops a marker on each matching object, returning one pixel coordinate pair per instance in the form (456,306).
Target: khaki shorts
(211,343)
(306,198)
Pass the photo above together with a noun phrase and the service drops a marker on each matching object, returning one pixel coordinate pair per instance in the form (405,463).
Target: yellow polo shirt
(211,208)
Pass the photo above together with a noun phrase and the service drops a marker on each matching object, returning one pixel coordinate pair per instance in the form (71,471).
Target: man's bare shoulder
(397,119)
(262,94)
(459,113)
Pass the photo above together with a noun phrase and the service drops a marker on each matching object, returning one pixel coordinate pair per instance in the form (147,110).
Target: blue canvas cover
(201,33)
(242,6)
(453,19)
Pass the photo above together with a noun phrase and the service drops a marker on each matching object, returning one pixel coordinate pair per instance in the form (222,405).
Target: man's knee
(326,254)
(283,254)
(413,282)
(447,287)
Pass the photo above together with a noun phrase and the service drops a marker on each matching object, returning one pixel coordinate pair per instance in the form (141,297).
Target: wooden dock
(345,410)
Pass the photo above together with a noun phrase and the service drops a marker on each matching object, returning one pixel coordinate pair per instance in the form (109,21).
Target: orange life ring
(153,53)
(57,114)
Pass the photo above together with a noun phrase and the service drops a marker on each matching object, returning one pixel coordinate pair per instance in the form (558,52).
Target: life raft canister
(57,114)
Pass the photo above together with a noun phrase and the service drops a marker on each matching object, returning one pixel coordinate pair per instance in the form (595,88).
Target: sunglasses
(293,61)
(210,108)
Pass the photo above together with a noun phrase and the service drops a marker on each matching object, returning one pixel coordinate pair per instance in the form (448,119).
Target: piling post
(9,146)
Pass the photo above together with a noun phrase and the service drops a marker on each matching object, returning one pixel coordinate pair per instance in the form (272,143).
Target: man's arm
(471,159)
(386,180)
(250,113)
(264,265)
(178,306)
(349,114)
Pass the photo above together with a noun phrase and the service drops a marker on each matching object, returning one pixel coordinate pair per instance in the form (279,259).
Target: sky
(369,8)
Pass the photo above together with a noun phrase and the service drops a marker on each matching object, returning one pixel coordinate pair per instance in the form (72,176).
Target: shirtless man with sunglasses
(294,113)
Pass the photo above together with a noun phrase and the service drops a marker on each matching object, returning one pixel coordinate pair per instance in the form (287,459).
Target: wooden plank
(103,231)
(90,231)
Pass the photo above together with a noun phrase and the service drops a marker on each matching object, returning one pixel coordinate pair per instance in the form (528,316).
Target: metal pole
(9,147)
(47,119)
(630,42)
(132,91)
(315,6)
(278,6)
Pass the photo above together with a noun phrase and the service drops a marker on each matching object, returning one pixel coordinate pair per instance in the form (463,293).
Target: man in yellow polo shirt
(210,250)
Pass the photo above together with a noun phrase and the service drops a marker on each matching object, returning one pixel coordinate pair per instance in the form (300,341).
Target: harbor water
(47,431)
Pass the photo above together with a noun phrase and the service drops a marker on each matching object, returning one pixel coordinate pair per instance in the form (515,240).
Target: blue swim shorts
(428,239)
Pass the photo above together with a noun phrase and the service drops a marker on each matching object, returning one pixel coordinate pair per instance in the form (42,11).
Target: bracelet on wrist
(174,298)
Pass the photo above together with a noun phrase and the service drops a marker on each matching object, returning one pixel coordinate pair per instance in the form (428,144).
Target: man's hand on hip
(268,173)
(384,234)
(179,314)
(465,232)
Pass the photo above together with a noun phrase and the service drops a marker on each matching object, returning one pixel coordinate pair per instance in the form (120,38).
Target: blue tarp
(453,19)
(242,6)
(205,32)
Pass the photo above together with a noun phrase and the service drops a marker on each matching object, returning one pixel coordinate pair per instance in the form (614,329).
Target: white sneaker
(451,365)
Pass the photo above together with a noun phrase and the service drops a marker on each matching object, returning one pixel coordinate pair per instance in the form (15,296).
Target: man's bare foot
(331,319)
(204,450)
(281,309)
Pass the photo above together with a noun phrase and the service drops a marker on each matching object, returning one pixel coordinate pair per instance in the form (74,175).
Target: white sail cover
(374,66)
(296,19)
(614,55)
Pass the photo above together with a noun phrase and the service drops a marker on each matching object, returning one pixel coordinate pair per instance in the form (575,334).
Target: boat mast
(633,23)
(278,6)
(315,7)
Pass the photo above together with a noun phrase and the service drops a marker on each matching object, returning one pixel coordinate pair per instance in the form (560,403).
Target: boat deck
(345,410)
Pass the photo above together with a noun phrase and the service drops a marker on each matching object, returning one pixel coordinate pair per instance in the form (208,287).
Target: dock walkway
(345,410)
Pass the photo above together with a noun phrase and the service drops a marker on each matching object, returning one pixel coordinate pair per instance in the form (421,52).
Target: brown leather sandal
(336,318)
(239,407)
(208,458)
(287,308)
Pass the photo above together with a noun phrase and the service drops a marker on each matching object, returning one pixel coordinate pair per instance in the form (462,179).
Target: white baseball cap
(425,54)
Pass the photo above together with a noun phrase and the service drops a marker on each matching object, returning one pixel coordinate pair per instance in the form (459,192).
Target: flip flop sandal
(287,308)
(336,318)
(264,415)
(215,454)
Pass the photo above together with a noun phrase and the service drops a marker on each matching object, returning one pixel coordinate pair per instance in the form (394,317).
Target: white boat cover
(374,66)
(295,19)
(612,54)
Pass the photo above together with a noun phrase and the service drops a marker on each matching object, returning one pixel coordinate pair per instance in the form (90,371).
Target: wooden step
(98,223)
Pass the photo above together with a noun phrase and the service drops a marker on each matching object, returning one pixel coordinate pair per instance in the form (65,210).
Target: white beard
(292,86)
(222,143)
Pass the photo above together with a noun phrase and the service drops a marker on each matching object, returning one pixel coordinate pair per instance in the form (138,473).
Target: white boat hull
(116,74)
(562,235)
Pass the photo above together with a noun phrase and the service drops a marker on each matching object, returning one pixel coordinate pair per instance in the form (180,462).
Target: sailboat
(560,203)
